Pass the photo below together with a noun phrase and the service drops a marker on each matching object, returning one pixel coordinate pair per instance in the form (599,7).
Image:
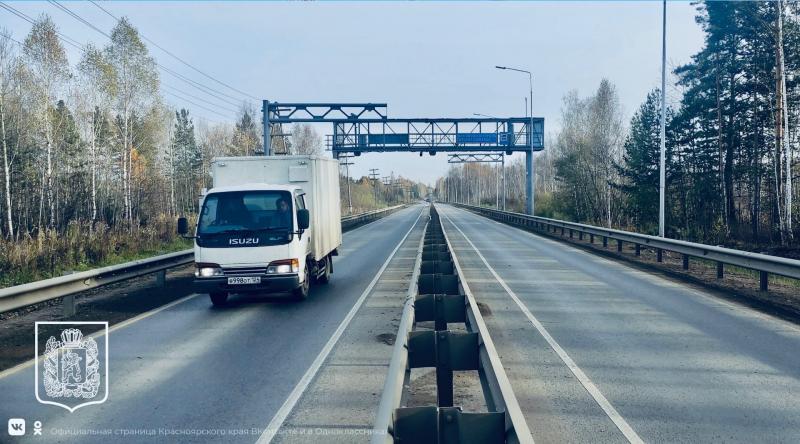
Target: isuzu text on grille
(249,241)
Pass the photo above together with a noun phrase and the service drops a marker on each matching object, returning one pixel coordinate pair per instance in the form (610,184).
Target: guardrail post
(440,319)
(444,370)
(685,261)
(562,231)
(161,278)
(570,233)
(763,280)
(720,270)
(638,249)
(68,303)
(659,255)
(580,235)
(619,246)
(591,238)
(605,241)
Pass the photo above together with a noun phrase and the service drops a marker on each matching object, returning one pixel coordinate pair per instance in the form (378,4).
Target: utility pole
(374,175)
(387,184)
(347,164)
(662,179)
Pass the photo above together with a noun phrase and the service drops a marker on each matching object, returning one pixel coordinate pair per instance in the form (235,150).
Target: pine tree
(187,158)
(639,170)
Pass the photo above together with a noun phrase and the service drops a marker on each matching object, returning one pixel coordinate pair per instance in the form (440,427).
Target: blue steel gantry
(365,127)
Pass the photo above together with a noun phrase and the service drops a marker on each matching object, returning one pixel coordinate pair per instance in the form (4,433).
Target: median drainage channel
(443,334)
(340,402)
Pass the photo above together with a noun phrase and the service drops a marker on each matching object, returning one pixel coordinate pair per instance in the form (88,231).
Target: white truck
(270,224)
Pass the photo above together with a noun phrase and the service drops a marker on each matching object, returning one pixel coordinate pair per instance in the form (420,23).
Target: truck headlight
(207,270)
(283,266)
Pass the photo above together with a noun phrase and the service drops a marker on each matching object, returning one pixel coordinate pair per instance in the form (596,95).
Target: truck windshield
(242,211)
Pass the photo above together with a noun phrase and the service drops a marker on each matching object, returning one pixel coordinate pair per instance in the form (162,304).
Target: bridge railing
(349,222)
(764,264)
(19,296)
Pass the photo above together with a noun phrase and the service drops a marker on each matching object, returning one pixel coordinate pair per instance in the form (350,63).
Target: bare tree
(97,83)
(782,130)
(49,67)
(305,140)
(135,82)
(6,60)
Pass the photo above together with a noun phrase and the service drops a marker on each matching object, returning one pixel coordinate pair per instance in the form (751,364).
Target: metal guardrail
(442,297)
(32,293)
(19,296)
(349,222)
(762,263)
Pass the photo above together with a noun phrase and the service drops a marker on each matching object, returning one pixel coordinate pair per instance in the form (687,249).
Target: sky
(422,59)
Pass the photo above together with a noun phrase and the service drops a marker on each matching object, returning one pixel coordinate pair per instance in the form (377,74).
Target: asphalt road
(197,371)
(598,351)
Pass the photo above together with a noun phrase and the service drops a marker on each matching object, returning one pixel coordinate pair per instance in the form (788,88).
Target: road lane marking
(11,370)
(373,223)
(99,333)
(739,309)
(587,383)
(288,405)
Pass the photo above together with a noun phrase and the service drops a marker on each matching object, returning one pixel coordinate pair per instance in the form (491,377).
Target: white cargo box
(317,176)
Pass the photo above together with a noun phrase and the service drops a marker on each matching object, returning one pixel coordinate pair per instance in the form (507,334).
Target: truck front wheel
(325,277)
(301,292)
(218,299)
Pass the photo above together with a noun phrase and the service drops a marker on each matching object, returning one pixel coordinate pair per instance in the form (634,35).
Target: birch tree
(136,81)
(97,86)
(305,140)
(48,65)
(782,129)
(6,67)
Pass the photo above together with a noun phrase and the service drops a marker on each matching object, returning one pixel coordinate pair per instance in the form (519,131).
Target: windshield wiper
(245,230)
(231,231)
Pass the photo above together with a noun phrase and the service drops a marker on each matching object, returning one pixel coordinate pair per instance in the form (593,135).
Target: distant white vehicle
(270,224)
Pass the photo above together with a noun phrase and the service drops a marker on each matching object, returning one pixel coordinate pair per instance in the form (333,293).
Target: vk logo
(16,426)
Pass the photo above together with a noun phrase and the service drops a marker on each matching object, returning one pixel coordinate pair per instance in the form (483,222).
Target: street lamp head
(500,67)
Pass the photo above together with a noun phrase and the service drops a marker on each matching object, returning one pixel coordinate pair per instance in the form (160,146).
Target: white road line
(373,223)
(288,405)
(97,334)
(740,308)
(587,383)
(125,323)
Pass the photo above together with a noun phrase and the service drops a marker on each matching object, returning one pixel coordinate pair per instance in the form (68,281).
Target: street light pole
(529,183)
(662,180)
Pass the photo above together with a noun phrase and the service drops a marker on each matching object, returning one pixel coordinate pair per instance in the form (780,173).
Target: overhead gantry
(366,127)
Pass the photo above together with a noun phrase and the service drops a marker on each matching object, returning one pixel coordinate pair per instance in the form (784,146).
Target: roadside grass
(84,246)
(749,273)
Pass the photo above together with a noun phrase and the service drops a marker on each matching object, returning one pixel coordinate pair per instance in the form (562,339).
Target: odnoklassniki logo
(73,370)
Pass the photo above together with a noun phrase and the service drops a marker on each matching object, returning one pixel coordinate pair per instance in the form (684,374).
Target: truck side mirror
(183,226)
(303,219)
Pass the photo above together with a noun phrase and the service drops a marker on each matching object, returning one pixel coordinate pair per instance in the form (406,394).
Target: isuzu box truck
(270,224)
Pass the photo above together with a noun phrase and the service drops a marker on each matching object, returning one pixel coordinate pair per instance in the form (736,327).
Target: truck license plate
(244,280)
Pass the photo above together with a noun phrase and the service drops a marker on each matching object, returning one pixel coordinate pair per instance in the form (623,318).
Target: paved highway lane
(193,367)
(608,353)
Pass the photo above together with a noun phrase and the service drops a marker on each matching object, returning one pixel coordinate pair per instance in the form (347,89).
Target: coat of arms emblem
(73,372)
